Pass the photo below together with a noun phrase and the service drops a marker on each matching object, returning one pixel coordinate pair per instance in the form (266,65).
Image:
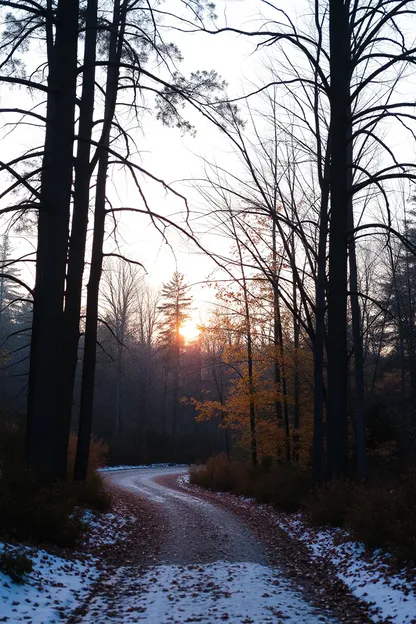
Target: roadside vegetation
(39,513)
(379,513)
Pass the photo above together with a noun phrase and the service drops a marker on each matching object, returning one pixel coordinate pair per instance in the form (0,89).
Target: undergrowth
(284,486)
(33,512)
(15,564)
(382,514)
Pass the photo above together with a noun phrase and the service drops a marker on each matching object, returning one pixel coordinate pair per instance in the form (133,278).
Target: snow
(367,575)
(55,587)
(184,479)
(240,593)
(141,467)
(107,529)
(58,586)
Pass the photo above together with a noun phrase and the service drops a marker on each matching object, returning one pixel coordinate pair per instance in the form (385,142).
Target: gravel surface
(196,531)
(316,578)
(211,566)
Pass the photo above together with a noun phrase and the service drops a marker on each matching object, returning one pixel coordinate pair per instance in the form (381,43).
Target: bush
(328,504)
(218,474)
(93,494)
(290,485)
(16,564)
(30,511)
(284,486)
(384,515)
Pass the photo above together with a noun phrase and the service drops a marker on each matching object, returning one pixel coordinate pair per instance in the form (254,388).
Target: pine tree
(175,308)
(9,292)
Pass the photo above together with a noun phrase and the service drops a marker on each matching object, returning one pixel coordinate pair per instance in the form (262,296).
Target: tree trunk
(337,285)
(319,344)
(279,374)
(76,255)
(252,408)
(88,371)
(296,379)
(359,407)
(46,356)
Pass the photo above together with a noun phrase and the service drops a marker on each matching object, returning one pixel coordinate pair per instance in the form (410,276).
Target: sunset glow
(190,331)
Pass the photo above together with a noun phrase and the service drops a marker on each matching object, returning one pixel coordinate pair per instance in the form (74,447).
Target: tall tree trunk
(319,344)
(76,255)
(337,284)
(296,380)
(279,329)
(175,407)
(253,437)
(46,356)
(252,408)
(359,407)
(165,398)
(282,416)
(89,361)
(359,416)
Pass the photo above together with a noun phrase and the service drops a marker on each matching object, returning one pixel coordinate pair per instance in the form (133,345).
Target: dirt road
(210,568)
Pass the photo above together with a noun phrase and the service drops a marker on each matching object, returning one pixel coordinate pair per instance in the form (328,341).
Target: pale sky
(172,157)
(163,151)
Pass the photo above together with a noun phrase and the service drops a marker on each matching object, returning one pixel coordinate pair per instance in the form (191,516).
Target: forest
(274,345)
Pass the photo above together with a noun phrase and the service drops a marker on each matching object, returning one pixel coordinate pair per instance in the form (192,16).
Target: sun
(189,330)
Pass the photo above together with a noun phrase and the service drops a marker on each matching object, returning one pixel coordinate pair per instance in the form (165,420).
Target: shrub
(218,474)
(16,564)
(290,485)
(30,511)
(329,503)
(284,486)
(93,494)
(384,515)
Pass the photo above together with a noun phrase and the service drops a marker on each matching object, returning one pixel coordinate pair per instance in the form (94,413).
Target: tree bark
(89,361)
(359,407)
(43,405)
(319,344)
(359,416)
(337,284)
(76,255)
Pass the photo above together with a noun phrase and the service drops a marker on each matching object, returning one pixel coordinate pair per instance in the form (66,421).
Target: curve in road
(211,569)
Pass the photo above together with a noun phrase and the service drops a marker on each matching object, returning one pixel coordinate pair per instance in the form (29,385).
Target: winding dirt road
(210,568)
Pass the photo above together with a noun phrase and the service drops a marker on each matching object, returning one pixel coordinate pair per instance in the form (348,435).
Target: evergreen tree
(175,308)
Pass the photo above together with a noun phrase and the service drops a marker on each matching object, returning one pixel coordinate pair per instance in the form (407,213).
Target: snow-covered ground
(57,586)
(368,575)
(141,467)
(49,593)
(240,593)
(390,594)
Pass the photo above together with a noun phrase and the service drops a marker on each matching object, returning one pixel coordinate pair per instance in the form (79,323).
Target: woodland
(302,376)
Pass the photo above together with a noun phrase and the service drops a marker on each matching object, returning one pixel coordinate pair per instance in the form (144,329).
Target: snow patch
(369,577)
(107,529)
(221,591)
(141,467)
(55,587)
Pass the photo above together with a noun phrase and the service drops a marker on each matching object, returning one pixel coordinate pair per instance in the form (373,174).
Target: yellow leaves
(207,410)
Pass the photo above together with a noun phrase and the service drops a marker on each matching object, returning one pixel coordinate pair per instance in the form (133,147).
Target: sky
(166,154)
(180,159)
(175,158)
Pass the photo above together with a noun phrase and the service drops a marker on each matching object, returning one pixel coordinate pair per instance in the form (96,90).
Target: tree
(46,354)
(342,87)
(175,310)
(120,294)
